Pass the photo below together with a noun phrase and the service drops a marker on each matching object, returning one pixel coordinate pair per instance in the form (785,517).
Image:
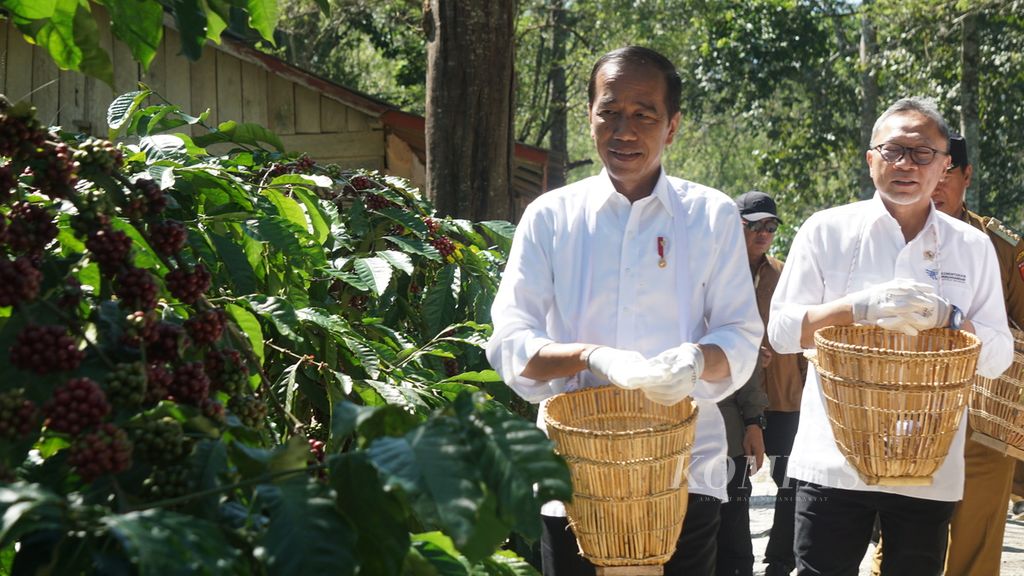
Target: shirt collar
(662,189)
(877,210)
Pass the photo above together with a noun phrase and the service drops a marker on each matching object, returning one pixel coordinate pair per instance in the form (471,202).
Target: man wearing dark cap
(782,374)
(976,531)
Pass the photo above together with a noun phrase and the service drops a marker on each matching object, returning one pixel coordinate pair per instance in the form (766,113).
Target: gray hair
(925,106)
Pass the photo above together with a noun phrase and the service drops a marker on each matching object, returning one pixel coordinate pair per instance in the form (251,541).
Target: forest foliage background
(777,93)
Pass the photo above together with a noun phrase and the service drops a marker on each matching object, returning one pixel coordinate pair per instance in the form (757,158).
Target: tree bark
(969,121)
(558,153)
(469,107)
(869,92)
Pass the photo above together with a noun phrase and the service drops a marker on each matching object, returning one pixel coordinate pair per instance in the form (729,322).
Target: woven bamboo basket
(997,406)
(628,457)
(895,401)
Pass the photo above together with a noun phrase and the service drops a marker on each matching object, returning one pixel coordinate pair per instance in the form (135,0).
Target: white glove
(625,368)
(935,315)
(684,364)
(898,297)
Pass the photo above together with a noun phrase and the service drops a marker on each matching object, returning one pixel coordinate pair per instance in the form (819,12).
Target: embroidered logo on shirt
(932,273)
(954,277)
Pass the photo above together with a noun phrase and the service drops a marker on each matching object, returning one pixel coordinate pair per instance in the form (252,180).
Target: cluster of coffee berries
(158,383)
(168,482)
(98,154)
(377,202)
(444,245)
(160,440)
(137,288)
(110,248)
(188,286)
(168,237)
(125,385)
(302,165)
(46,349)
(18,416)
(144,198)
(227,371)
(21,135)
(166,342)
(76,406)
(106,450)
(206,327)
(190,385)
(19,281)
(250,410)
(30,229)
(55,170)
(432,224)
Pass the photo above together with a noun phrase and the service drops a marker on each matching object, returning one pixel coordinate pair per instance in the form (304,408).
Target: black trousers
(778,444)
(833,527)
(694,555)
(735,547)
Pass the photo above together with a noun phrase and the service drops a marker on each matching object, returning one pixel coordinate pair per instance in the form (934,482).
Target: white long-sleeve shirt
(849,248)
(584,267)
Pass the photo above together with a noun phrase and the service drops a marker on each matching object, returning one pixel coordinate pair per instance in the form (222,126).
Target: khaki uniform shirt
(785,375)
(1010,253)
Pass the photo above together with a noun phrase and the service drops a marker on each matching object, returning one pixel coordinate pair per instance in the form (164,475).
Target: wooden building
(328,121)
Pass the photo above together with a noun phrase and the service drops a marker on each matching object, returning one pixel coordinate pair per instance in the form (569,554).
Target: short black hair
(641,56)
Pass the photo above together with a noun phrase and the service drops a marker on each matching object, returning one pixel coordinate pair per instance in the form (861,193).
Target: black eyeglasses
(920,155)
(769,226)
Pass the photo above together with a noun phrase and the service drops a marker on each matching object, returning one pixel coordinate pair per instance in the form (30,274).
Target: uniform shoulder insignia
(1003,232)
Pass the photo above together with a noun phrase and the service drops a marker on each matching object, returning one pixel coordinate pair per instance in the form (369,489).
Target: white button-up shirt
(585,267)
(852,247)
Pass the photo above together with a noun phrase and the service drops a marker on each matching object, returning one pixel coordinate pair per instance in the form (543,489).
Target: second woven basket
(895,401)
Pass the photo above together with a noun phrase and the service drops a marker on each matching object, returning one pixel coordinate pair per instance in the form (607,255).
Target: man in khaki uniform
(784,376)
(976,531)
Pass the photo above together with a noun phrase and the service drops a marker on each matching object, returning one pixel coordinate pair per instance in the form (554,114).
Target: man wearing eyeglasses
(976,532)
(895,262)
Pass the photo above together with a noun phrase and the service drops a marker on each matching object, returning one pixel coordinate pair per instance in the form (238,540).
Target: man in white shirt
(895,262)
(634,278)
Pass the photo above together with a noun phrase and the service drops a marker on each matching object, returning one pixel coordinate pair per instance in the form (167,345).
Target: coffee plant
(223,359)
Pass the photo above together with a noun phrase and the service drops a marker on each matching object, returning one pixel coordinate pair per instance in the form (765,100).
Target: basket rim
(636,433)
(821,341)
(896,386)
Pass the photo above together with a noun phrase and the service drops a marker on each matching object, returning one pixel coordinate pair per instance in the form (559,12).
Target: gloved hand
(935,315)
(625,368)
(898,297)
(684,364)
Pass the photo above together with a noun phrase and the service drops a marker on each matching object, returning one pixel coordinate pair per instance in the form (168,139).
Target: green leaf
(317,217)
(94,61)
(329,322)
(440,299)
(140,25)
(191,20)
(240,272)
(482,376)
(249,325)
(26,508)
(376,515)
(30,9)
(217,16)
(292,455)
(164,542)
(440,557)
(368,359)
(121,109)
(435,469)
(416,246)
(350,279)
(505,563)
(307,535)
(240,133)
(501,231)
(263,17)
(398,260)
(175,147)
(287,208)
(375,272)
(208,462)
(278,311)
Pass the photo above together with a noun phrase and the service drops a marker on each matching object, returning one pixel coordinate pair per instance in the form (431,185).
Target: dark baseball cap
(755,205)
(958,151)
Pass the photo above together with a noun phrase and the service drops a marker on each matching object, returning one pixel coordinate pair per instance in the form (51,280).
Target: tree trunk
(558,153)
(969,122)
(869,90)
(469,107)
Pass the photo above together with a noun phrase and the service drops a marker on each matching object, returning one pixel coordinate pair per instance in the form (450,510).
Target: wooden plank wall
(233,89)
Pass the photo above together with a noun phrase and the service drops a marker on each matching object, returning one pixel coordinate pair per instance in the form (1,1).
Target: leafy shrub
(246,363)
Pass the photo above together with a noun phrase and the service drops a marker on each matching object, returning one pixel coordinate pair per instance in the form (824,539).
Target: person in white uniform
(634,278)
(895,262)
